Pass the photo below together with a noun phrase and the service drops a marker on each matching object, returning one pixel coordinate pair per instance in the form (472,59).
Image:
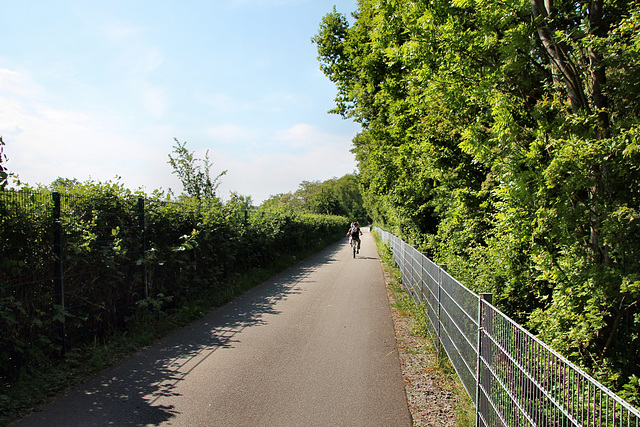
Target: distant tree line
(336,196)
(502,138)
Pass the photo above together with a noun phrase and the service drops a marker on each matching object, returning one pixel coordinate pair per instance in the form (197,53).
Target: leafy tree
(4,175)
(272,203)
(4,172)
(240,202)
(306,193)
(335,196)
(502,138)
(64,184)
(325,202)
(349,197)
(194,173)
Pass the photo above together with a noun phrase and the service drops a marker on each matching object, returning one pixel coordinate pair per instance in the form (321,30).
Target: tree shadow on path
(127,394)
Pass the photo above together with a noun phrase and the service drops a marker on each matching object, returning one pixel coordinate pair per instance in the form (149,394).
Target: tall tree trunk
(560,61)
(566,71)
(598,75)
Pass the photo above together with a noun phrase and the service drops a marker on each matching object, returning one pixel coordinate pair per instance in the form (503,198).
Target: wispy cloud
(102,89)
(272,102)
(44,142)
(153,98)
(15,83)
(281,101)
(224,103)
(323,156)
(307,136)
(230,133)
(133,53)
(119,32)
(135,60)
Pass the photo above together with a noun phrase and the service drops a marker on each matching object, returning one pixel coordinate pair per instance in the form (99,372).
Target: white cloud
(44,142)
(134,61)
(280,101)
(231,133)
(17,84)
(134,54)
(119,32)
(307,136)
(153,99)
(224,103)
(324,156)
(272,102)
(146,59)
(107,91)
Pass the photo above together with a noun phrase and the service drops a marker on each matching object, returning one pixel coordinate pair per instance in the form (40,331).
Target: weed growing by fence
(464,410)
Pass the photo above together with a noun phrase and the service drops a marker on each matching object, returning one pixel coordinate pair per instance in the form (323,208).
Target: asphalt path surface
(313,346)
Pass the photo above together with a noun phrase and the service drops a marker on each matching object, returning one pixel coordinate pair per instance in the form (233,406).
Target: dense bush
(122,252)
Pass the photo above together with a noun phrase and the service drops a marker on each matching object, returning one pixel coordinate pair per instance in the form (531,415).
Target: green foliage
(127,258)
(5,174)
(23,218)
(194,173)
(502,139)
(336,196)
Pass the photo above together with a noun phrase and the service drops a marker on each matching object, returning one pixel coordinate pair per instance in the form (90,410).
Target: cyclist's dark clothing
(354,234)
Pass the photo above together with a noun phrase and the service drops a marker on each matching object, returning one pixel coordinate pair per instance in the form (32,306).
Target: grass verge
(441,366)
(46,378)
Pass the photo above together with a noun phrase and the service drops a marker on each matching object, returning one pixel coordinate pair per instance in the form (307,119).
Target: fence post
(441,271)
(57,269)
(423,276)
(143,245)
(482,351)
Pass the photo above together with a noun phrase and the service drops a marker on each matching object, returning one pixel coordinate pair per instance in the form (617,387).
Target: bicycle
(354,247)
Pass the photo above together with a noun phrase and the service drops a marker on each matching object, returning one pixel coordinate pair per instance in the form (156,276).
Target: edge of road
(434,394)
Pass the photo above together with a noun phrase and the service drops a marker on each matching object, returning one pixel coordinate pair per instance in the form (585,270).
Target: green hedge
(123,252)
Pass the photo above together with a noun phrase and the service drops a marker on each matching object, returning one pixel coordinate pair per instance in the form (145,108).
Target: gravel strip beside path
(431,401)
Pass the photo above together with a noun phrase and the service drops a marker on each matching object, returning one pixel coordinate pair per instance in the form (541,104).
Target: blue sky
(99,89)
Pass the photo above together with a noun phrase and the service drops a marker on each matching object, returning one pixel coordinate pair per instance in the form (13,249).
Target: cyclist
(354,235)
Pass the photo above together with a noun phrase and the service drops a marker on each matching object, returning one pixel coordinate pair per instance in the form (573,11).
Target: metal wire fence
(64,257)
(78,265)
(513,378)
(74,267)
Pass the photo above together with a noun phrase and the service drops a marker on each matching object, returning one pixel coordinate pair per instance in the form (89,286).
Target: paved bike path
(314,346)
